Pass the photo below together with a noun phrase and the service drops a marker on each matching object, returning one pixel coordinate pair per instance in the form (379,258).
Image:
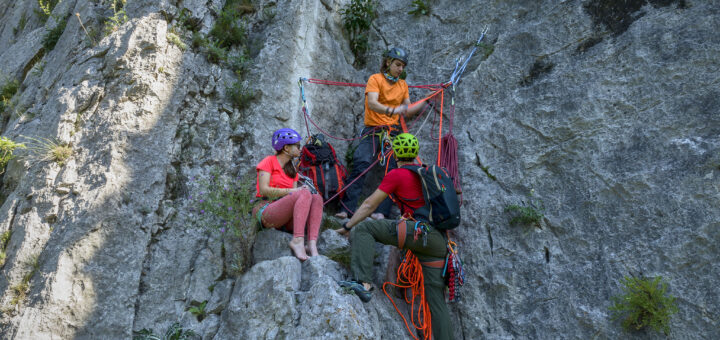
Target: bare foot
(341,215)
(312,245)
(297,245)
(377,216)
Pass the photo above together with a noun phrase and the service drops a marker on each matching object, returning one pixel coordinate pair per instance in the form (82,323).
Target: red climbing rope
(432,87)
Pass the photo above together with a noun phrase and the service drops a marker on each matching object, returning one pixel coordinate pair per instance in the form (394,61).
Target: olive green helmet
(405,145)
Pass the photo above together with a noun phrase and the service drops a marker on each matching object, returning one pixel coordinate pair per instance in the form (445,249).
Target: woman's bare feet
(297,245)
(342,215)
(312,245)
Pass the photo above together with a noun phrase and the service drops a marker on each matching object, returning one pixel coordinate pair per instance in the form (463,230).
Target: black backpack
(442,208)
(319,162)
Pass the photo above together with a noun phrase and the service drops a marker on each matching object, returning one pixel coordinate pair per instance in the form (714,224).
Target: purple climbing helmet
(284,137)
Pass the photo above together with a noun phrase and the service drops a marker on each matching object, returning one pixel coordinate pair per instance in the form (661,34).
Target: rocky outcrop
(601,112)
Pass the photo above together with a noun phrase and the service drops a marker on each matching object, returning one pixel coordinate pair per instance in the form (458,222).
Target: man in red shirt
(405,187)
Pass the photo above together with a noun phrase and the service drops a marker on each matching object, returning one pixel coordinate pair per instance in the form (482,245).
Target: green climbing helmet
(405,145)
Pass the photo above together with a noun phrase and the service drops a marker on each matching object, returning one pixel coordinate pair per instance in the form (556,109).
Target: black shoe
(358,288)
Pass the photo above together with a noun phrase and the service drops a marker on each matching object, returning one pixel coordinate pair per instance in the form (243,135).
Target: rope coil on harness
(410,277)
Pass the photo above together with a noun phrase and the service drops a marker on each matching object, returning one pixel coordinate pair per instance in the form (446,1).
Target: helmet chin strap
(391,78)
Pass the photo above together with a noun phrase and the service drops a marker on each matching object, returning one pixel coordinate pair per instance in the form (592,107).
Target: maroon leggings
(298,210)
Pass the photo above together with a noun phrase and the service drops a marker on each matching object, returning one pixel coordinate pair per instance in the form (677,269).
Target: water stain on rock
(618,15)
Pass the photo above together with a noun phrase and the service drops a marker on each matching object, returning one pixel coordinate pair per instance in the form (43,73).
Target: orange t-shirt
(388,94)
(278,178)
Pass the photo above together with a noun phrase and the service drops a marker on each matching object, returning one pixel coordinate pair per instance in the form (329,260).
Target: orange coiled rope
(410,276)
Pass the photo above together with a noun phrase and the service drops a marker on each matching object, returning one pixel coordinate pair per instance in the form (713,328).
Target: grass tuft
(43,149)
(19,291)
(175,40)
(215,53)
(46,8)
(528,213)
(4,239)
(419,8)
(174,332)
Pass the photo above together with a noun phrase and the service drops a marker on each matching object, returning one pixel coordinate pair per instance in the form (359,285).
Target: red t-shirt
(278,178)
(405,187)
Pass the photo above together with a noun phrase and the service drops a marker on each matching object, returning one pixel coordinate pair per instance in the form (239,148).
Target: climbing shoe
(358,288)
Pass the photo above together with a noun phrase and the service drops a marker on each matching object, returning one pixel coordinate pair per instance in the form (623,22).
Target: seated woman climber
(430,249)
(291,207)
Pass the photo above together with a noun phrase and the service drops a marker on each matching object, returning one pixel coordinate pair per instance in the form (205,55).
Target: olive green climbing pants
(362,240)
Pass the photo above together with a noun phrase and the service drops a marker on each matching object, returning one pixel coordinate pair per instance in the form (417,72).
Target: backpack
(441,208)
(319,162)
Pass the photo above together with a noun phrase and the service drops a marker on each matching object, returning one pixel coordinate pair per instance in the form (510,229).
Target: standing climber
(285,204)
(429,247)
(386,99)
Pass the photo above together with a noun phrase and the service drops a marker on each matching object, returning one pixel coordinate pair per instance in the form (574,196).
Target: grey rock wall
(605,111)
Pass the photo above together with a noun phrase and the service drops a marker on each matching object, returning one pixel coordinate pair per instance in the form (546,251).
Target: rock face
(602,113)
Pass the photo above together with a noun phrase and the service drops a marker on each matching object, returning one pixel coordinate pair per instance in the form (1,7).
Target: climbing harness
(260,211)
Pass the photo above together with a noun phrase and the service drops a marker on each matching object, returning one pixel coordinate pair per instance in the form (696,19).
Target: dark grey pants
(365,154)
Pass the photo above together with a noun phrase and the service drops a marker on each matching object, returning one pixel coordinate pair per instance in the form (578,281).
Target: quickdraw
(306,181)
(421,229)
(455,273)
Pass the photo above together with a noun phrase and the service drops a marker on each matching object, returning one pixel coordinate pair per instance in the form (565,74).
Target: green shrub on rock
(7,91)
(7,147)
(46,8)
(645,303)
(119,17)
(223,204)
(240,94)
(229,30)
(52,36)
(358,16)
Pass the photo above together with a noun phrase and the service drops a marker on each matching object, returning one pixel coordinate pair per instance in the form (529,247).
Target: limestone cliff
(602,112)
